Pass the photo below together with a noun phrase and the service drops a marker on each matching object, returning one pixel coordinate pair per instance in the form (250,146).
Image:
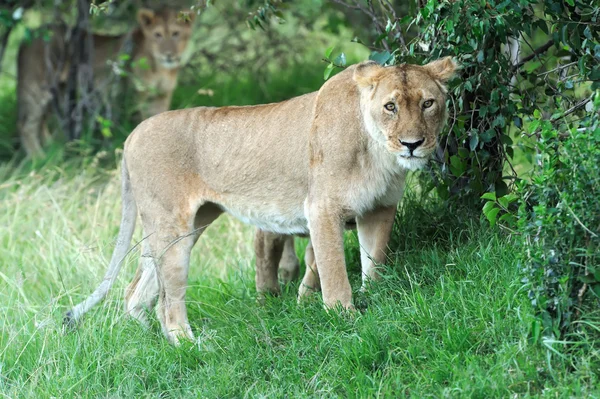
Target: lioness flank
(305,165)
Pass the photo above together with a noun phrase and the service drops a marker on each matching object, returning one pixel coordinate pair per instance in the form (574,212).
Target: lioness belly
(268,218)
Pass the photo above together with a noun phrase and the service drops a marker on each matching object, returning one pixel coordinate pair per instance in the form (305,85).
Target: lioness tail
(128,218)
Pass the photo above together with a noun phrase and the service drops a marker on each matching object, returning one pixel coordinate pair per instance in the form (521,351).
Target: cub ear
(186,17)
(443,69)
(367,73)
(145,17)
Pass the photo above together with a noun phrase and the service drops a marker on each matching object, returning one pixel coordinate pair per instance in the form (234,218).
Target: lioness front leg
(156,104)
(374,229)
(326,235)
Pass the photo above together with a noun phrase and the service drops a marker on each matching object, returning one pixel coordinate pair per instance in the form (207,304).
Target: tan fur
(306,165)
(43,65)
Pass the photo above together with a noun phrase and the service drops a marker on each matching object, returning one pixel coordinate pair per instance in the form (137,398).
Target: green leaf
(536,330)
(488,206)
(501,188)
(488,135)
(380,58)
(340,60)
(492,215)
(328,71)
(532,66)
(457,164)
(480,56)
(473,141)
(329,51)
(503,202)
(508,219)
(489,196)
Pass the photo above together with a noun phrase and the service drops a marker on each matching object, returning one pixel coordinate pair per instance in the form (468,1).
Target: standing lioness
(43,69)
(306,165)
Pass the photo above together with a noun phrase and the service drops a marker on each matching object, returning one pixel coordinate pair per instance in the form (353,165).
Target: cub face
(404,107)
(166,34)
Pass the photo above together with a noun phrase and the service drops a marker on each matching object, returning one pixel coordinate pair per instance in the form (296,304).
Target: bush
(560,220)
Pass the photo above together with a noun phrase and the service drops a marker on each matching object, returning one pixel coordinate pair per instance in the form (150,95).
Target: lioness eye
(427,103)
(390,106)
(175,34)
(157,35)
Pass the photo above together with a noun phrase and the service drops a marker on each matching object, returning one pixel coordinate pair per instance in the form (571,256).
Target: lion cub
(160,38)
(303,166)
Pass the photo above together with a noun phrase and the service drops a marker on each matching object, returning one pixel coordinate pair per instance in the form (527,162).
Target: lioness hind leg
(171,246)
(268,248)
(171,250)
(310,282)
(142,293)
(289,265)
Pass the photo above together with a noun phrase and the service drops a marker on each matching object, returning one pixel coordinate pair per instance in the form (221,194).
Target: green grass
(450,318)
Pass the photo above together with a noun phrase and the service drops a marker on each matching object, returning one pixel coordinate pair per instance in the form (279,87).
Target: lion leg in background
(289,265)
(268,248)
(156,104)
(173,232)
(310,282)
(33,105)
(141,294)
(326,235)
(374,229)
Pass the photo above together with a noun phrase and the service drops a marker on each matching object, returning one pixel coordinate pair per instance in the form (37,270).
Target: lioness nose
(412,145)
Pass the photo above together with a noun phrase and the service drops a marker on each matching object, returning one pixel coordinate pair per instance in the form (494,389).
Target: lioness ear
(145,17)
(366,73)
(442,69)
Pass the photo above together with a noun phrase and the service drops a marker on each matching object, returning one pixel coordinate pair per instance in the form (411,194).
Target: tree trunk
(79,95)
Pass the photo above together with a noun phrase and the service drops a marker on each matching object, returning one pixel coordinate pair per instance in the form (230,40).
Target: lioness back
(257,153)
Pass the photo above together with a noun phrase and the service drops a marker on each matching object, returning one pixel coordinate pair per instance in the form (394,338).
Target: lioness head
(166,34)
(404,106)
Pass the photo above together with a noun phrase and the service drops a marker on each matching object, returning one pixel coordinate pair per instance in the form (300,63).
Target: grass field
(450,319)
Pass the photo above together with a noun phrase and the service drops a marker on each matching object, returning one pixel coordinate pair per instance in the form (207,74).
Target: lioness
(305,165)
(160,38)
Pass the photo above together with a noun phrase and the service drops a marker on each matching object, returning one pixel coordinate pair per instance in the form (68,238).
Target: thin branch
(573,109)
(536,52)
(579,221)
(558,68)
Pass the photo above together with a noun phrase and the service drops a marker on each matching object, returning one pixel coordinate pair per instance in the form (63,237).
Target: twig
(536,52)
(573,109)
(560,67)
(579,221)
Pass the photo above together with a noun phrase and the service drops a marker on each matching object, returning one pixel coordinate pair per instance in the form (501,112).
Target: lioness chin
(43,67)
(302,166)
